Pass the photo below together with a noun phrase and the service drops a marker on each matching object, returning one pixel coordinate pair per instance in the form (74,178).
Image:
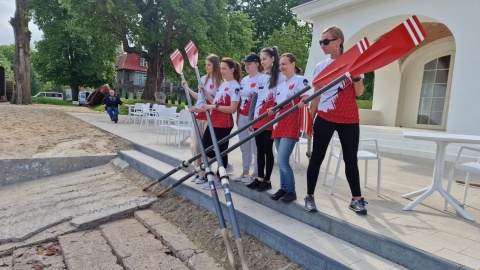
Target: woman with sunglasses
(286,132)
(223,106)
(336,110)
(265,99)
(210,84)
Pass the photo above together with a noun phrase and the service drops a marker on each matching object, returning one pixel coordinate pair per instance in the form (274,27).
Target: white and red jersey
(265,99)
(227,93)
(211,89)
(248,86)
(338,104)
(289,127)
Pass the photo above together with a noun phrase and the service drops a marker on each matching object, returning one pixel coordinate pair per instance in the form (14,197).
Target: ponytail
(275,69)
(237,69)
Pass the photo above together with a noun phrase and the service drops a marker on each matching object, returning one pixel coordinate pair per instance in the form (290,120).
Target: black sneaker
(254,184)
(115,120)
(310,204)
(289,197)
(358,206)
(264,185)
(277,195)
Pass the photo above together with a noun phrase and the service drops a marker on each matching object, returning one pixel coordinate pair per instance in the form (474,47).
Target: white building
(436,85)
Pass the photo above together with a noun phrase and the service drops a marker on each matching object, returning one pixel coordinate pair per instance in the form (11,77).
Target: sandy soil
(35,131)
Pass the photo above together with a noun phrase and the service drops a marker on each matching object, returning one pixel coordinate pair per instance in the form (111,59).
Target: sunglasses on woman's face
(326,41)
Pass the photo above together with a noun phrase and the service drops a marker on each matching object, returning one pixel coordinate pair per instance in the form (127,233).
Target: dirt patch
(35,131)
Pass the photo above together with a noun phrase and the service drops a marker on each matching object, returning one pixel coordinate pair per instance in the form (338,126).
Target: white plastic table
(442,140)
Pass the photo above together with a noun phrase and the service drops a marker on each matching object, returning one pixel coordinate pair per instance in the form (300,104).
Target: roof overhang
(312,9)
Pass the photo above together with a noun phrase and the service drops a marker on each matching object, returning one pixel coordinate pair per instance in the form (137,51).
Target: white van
(54,95)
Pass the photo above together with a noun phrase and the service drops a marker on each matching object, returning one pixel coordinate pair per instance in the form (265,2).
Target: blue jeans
(284,149)
(112,111)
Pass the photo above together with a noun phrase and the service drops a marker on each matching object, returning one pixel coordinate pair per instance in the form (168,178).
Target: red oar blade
(192,53)
(177,60)
(342,64)
(390,46)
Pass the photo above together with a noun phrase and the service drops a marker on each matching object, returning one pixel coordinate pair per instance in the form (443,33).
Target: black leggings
(220,133)
(349,135)
(264,154)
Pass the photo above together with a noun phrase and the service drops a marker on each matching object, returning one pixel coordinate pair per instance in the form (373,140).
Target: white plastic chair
(150,114)
(336,151)
(137,111)
(182,124)
(468,167)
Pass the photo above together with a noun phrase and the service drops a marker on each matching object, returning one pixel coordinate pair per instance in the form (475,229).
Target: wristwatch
(357,79)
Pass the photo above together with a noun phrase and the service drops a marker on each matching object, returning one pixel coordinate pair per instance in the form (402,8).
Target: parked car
(54,95)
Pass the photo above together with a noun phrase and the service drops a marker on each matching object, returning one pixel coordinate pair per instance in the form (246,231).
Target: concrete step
(83,198)
(312,241)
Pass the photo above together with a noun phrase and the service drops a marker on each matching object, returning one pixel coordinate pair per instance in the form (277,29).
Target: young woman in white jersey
(210,84)
(223,106)
(248,86)
(266,99)
(336,110)
(286,132)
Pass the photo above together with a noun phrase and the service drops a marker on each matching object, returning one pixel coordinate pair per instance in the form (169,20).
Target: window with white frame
(143,62)
(434,91)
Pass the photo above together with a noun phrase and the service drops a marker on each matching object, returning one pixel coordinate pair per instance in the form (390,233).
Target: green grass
(364,104)
(51,101)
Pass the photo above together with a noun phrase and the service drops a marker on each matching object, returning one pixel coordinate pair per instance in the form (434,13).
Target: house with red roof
(131,75)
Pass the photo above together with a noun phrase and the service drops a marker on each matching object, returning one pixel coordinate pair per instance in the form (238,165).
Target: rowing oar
(344,61)
(177,60)
(192,55)
(387,49)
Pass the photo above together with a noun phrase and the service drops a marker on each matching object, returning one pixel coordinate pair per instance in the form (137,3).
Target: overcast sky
(7,10)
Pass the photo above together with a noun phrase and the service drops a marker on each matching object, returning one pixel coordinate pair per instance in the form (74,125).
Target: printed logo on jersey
(253,85)
(226,89)
(237,91)
(305,82)
(291,86)
(211,86)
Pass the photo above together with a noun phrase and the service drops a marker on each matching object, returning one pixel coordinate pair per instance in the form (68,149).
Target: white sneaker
(194,179)
(247,179)
(200,180)
(217,184)
(238,179)
(230,168)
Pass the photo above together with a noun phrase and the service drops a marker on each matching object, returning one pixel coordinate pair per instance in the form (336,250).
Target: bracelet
(216,106)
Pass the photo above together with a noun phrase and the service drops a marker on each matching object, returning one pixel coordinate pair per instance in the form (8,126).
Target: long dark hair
(237,69)
(275,69)
(292,59)
(216,76)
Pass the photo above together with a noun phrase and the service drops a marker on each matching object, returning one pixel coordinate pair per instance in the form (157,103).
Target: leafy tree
(368,83)
(153,29)
(21,92)
(267,16)
(69,53)
(292,39)
(5,63)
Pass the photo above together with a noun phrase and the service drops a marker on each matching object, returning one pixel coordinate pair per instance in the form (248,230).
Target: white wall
(372,18)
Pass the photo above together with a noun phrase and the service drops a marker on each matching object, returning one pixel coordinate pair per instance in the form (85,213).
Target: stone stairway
(315,241)
(146,241)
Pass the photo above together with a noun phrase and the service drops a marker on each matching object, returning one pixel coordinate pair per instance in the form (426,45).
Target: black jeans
(265,158)
(220,133)
(349,135)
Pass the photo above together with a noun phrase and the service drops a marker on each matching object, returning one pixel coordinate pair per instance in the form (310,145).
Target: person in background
(248,86)
(336,110)
(287,131)
(265,99)
(209,86)
(223,106)
(110,104)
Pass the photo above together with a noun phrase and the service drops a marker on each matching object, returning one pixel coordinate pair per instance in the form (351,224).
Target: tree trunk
(154,77)
(22,91)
